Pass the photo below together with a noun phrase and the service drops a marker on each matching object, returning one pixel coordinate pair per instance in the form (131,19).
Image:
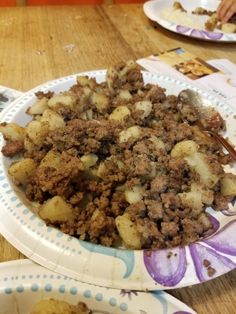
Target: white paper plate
(154,9)
(7,95)
(23,283)
(105,266)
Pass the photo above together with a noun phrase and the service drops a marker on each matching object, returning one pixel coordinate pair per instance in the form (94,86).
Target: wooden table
(43,43)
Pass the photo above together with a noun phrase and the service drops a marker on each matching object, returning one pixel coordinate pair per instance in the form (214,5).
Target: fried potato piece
(56,209)
(228,185)
(89,160)
(128,232)
(228,27)
(144,106)
(100,101)
(22,171)
(38,107)
(133,131)
(184,148)
(84,80)
(198,163)
(61,100)
(12,131)
(37,132)
(198,196)
(52,306)
(119,114)
(54,120)
(134,194)
(51,159)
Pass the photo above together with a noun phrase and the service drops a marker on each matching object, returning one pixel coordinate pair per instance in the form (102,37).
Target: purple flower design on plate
(224,240)
(208,263)
(182,29)
(213,35)
(166,267)
(199,33)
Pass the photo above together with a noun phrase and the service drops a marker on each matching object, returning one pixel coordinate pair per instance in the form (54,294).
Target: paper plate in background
(24,283)
(154,11)
(109,267)
(7,96)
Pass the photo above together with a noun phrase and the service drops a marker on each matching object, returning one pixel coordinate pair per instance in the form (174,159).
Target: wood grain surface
(43,43)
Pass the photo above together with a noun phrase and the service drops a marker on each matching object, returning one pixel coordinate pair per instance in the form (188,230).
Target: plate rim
(150,284)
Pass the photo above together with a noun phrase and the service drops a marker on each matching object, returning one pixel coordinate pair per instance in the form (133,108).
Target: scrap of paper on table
(216,76)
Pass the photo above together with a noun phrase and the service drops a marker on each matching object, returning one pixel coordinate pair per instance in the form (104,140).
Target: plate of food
(195,19)
(106,177)
(27,288)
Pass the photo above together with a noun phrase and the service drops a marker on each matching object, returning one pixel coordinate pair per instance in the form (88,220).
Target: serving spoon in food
(209,120)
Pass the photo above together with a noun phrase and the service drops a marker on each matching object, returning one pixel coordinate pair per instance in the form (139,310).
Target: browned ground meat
(96,193)
(12,148)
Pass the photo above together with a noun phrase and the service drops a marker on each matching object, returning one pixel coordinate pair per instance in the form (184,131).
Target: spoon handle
(225,143)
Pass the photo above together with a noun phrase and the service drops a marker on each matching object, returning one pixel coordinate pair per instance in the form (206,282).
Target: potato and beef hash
(120,163)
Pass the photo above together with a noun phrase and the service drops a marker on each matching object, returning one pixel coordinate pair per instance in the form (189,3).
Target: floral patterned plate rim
(153,9)
(110,267)
(23,283)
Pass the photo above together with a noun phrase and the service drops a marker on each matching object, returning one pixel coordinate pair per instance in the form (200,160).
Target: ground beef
(41,94)
(12,148)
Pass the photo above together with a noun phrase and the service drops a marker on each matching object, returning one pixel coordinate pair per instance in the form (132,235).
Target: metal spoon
(194,99)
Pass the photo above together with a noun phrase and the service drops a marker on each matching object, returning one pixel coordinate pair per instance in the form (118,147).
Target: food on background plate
(192,19)
(52,306)
(121,163)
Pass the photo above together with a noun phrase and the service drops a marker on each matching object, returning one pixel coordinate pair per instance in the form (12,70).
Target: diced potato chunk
(51,159)
(85,81)
(128,231)
(184,148)
(198,163)
(52,306)
(192,200)
(100,101)
(111,75)
(158,142)
(207,196)
(29,145)
(95,214)
(145,106)
(228,185)
(101,170)
(228,27)
(64,100)
(38,107)
(119,114)
(87,115)
(125,94)
(89,160)
(37,132)
(198,196)
(12,131)
(133,131)
(134,194)
(56,210)
(54,120)
(22,171)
